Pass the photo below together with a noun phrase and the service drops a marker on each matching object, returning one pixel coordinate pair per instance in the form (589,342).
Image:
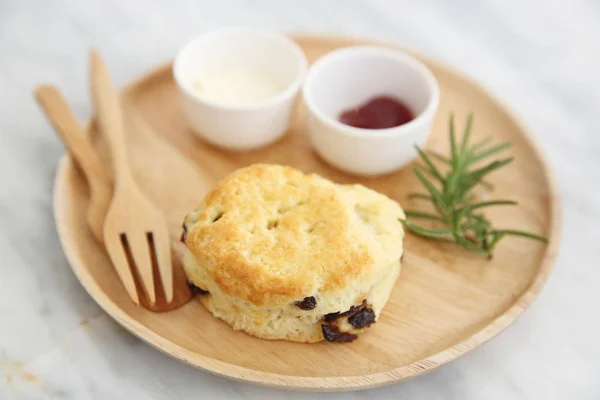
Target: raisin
(331,317)
(308,303)
(353,310)
(196,290)
(363,318)
(332,334)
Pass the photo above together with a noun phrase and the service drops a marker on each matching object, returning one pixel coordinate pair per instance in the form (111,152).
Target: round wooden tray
(446,303)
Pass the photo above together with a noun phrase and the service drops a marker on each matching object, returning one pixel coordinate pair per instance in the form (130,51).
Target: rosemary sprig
(458,215)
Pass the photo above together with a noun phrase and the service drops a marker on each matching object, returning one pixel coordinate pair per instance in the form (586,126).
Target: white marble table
(542,57)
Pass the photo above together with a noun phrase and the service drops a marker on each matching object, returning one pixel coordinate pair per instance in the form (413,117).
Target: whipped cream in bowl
(239,85)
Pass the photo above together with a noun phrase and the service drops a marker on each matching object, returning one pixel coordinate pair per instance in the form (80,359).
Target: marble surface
(541,57)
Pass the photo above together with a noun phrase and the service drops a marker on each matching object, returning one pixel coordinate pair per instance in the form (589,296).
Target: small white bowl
(245,126)
(349,77)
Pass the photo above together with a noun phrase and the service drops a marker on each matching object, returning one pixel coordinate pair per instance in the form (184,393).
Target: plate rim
(334,383)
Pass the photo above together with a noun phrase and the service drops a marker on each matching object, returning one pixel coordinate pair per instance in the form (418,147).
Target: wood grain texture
(446,303)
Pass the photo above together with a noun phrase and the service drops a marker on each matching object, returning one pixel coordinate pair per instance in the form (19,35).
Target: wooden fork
(135,231)
(100,186)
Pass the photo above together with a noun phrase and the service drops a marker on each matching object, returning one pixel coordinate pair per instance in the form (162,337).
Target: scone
(284,255)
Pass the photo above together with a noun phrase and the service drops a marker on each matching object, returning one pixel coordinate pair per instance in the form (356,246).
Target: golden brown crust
(270,235)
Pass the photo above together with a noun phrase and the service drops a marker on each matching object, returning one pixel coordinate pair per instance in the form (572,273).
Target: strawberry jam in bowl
(368,106)
(379,113)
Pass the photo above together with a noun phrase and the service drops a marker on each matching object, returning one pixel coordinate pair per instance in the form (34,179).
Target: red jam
(379,113)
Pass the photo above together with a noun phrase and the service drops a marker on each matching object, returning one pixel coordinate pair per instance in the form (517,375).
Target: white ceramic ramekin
(240,127)
(349,77)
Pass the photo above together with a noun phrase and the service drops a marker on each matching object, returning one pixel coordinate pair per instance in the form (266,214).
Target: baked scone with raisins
(284,255)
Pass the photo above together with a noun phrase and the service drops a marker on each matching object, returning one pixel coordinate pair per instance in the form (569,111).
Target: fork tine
(143,263)
(159,240)
(119,256)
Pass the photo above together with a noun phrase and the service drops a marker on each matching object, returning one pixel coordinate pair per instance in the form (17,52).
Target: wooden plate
(446,303)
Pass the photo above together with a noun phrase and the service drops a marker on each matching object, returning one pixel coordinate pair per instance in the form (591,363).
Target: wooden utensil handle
(107,102)
(66,125)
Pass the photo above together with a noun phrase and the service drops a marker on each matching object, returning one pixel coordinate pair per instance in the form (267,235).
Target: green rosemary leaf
(426,170)
(479,225)
(472,207)
(467,134)
(424,215)
(496,237)
(429,233)
(438,157)
(453,150)
(454,204)
(522,234)
(475,226)
(489,152)
(436,196)
(480,144)
(457,215)
(468,244)
(434,171)
(473,178)
(481,221)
